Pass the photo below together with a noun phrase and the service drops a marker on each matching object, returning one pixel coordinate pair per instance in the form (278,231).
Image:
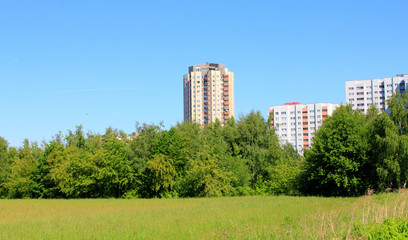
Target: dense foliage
(351,153)
(242,158)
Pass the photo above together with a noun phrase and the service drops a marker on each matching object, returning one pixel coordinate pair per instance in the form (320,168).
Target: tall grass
(279,217)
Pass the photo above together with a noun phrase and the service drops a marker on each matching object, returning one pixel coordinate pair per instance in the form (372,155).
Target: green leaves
(335,162)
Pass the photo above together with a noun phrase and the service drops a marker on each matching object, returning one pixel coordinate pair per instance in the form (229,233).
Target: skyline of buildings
(208,91)
(209,95)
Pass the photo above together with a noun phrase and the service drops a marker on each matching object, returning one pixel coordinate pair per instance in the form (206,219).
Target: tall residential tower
(208,93)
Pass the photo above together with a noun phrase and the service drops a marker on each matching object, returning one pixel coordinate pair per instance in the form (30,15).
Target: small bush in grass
(389,229)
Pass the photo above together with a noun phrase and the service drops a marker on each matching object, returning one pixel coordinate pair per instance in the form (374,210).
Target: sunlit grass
(277,217)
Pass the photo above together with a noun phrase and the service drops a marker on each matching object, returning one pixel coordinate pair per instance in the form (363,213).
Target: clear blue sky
(112,63)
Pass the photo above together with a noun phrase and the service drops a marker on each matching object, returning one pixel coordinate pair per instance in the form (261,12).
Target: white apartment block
(296,123)
(208,93)
(361,94)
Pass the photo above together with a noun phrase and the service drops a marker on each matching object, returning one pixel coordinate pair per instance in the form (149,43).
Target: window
(351,99)
(351,94)
(351,88)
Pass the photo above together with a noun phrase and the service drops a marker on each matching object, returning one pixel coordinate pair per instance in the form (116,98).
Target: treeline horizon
(351,154)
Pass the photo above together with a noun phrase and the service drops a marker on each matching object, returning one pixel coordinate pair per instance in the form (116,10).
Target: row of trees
(352,152)
(241,158)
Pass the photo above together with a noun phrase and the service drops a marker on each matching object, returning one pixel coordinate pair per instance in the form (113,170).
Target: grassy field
(277,217)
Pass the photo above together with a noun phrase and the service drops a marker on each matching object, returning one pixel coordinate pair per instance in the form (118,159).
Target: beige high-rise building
(208,94)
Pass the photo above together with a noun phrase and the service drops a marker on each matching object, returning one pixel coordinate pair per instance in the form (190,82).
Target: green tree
(284,175)
(20,182)
(335,163)
(141,146)
(384,153)
(4,166)
(205,178)
(398,105)
(258,144)
(161,176)
(116,176)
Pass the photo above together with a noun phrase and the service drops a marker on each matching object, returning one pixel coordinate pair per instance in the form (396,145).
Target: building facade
(361,94)
(208,94)
(295,123)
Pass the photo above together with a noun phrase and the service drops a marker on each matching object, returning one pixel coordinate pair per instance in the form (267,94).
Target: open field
(277,217)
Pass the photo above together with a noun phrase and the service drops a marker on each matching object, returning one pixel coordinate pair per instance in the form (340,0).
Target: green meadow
(260,217)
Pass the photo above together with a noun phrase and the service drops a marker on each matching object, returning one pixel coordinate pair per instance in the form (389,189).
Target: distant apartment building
(296,123)
(208,93)
(361,94)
